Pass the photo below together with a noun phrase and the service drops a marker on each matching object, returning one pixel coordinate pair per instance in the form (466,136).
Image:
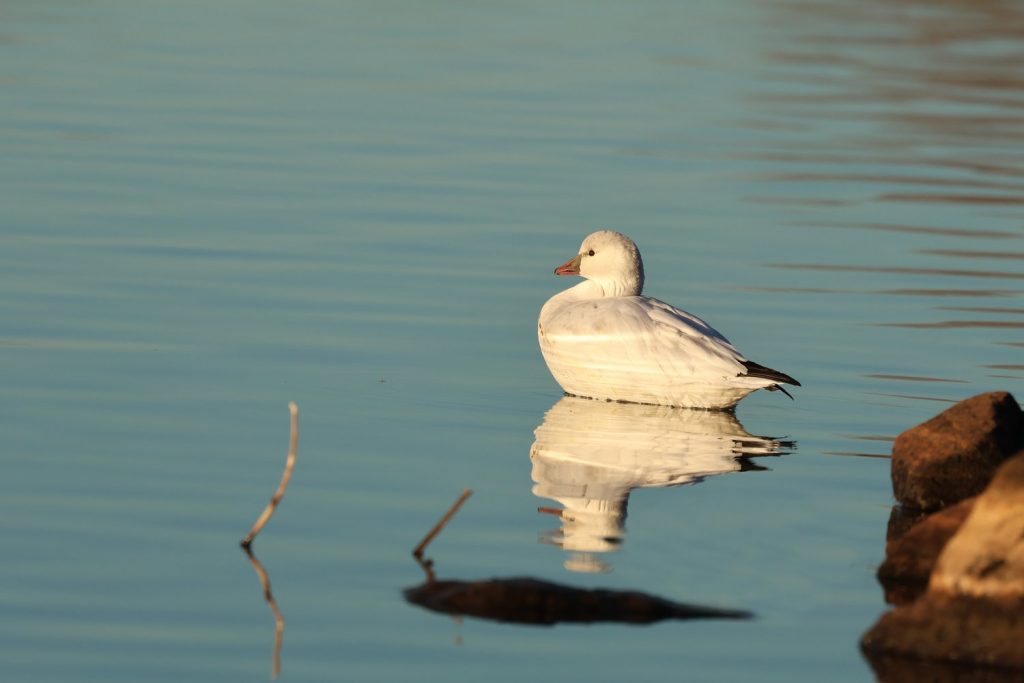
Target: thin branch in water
(427,565)
(418,551)
(289,464)
(278,617)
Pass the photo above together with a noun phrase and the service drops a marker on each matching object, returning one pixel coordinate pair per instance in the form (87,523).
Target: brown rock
(973,609)
(909,559)
(953,455)
(901,520)
(986,557)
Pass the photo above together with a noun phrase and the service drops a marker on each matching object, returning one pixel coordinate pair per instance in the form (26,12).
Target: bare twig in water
(289,464)
(418,551)
(427,565)
(278,617)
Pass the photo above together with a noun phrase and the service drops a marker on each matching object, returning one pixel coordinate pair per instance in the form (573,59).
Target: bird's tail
(779,387)
(756,370)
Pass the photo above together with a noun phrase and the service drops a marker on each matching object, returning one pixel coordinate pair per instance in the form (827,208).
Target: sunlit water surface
(213,209)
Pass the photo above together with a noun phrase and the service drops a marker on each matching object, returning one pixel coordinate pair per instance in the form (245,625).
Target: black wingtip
(758,370)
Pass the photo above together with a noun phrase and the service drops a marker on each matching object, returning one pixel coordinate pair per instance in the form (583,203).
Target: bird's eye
(590,253)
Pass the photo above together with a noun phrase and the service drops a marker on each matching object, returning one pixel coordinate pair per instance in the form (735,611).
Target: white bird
(604,339)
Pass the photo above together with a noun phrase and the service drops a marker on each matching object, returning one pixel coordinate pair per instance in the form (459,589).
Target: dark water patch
(976,166)
(848,156)
(914,229)
(76,344)
(883,179)
(1005,366)
(913,397)
(797,201)
(951,198)
(789,290)
(898,270)
(196,252)
(964,253)
(983,309)
(955,324)
(869,437)
(914,378)
(913,94)
(818,57)
(960,126)
(858,454)
(822,154)
(980,293)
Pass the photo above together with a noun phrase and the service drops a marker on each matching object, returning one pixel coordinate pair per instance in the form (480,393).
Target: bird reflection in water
(589,455)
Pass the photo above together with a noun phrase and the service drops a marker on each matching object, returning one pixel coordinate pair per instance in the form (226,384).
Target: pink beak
(570,267)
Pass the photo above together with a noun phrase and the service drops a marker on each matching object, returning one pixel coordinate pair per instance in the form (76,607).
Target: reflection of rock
(525,600)
(897,669)
(951,628)
(588,455)
(973,610)
(953,455)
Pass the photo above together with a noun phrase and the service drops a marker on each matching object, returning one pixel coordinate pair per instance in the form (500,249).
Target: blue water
(213,209)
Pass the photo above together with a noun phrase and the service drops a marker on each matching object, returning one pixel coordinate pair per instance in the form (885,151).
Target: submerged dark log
(525,600)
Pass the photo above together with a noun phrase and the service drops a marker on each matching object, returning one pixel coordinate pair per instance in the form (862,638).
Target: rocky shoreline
(954,566)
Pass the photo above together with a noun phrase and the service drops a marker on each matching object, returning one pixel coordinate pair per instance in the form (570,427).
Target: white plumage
(604,339)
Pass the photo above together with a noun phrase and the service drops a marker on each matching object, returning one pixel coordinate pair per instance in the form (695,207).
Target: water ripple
(901,270)
(913,378)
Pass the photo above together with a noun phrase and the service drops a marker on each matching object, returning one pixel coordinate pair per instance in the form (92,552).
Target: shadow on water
(589,455)
(532,601)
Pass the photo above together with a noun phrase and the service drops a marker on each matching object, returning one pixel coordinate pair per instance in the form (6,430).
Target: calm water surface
(213,209)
